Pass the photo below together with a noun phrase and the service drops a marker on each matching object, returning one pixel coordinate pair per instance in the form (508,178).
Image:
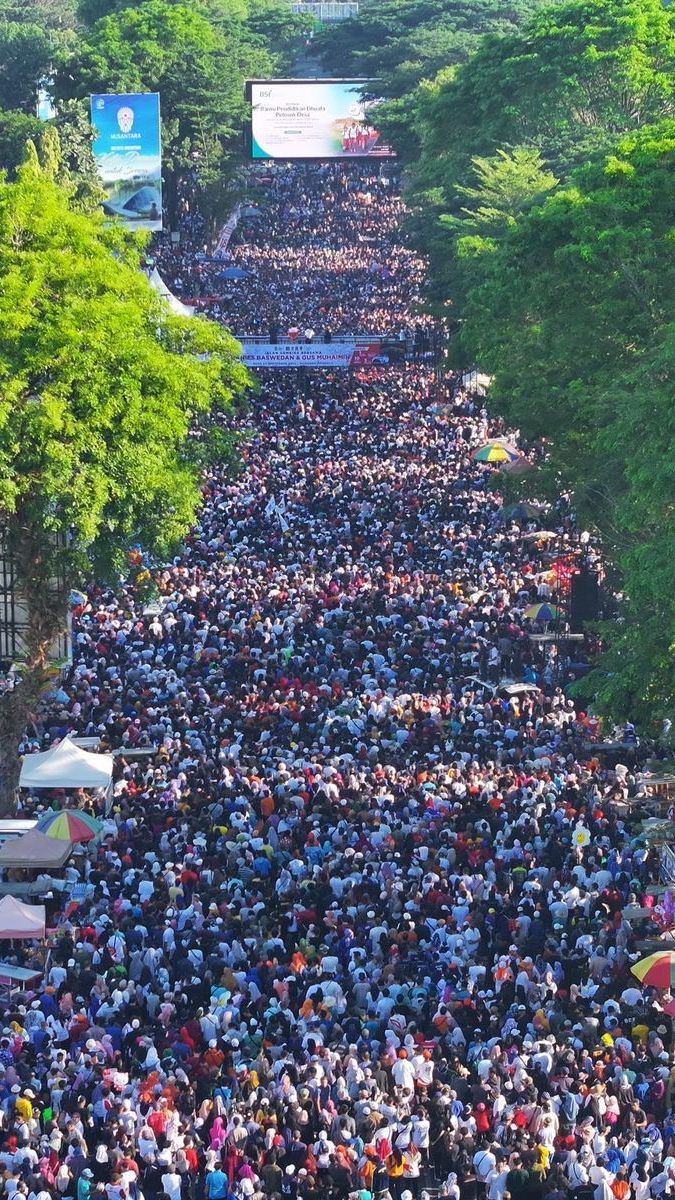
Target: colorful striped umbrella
(69,825)
(656,970)
(495,452)
(543,612)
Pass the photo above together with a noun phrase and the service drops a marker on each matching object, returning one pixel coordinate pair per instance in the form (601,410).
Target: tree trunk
(39,584)
(13,717)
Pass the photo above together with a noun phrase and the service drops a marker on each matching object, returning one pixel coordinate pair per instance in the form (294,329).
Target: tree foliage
(571,310)
(17,129)
(25,59)
(100,384)
(53,15)
(574,79)
(401,42)
(101,388)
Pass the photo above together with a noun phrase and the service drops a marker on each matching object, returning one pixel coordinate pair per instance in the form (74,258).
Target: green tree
(100,387)
(400,42)
(25,59)
(198,67)
(571,310)
(277,28)
(91,11)
(574,79)
(77,171)
(17,129)
(506,186)
(503,188)
(65,142)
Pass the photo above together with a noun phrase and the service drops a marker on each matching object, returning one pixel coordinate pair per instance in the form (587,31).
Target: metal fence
(14,616)
(335,11)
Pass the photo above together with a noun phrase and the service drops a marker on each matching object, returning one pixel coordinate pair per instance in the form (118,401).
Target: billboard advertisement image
(128,153)
(314,118)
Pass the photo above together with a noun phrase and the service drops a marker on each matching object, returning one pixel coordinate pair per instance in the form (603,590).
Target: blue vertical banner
(128,152)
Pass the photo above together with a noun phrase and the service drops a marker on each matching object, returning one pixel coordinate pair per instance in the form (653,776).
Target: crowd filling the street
(361,921)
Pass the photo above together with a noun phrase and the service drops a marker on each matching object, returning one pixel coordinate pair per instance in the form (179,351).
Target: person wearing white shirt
(495,1184)
(484,1163)
(420,1133)
(403,1073)
(577,1174)
(171,1184)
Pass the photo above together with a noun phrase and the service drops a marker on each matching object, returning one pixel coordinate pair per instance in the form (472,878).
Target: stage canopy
(19,920)
(66,766)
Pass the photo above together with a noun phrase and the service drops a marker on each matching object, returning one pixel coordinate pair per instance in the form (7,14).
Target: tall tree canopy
(403,41)
(25,59)
(577,76)
(571,310)
(100,386)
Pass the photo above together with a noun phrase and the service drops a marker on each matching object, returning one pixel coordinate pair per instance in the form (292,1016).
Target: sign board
(312,354)
(314,118)
(128,153)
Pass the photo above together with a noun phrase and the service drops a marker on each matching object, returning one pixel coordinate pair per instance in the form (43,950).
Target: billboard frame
(103,102)
(390,157)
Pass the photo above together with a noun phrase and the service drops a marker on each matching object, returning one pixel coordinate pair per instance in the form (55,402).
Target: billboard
(128,153)
(314,118)
(312,354)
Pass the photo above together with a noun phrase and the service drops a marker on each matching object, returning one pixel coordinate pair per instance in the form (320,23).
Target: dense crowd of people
(361,920)
(322,249)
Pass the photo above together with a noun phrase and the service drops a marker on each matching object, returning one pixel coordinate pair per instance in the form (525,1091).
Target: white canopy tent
(19,920)
(176,305)
(66,766)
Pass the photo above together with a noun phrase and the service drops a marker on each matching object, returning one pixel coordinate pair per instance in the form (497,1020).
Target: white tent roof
(19,920)
(66,766)
(176,305)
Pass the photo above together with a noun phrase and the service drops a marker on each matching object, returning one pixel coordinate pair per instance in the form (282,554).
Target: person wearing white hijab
(451,1188)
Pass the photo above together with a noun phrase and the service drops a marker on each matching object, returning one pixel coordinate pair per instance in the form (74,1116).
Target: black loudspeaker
(584,599)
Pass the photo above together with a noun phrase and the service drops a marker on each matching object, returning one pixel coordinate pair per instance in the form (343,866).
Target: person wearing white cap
(289,1184)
